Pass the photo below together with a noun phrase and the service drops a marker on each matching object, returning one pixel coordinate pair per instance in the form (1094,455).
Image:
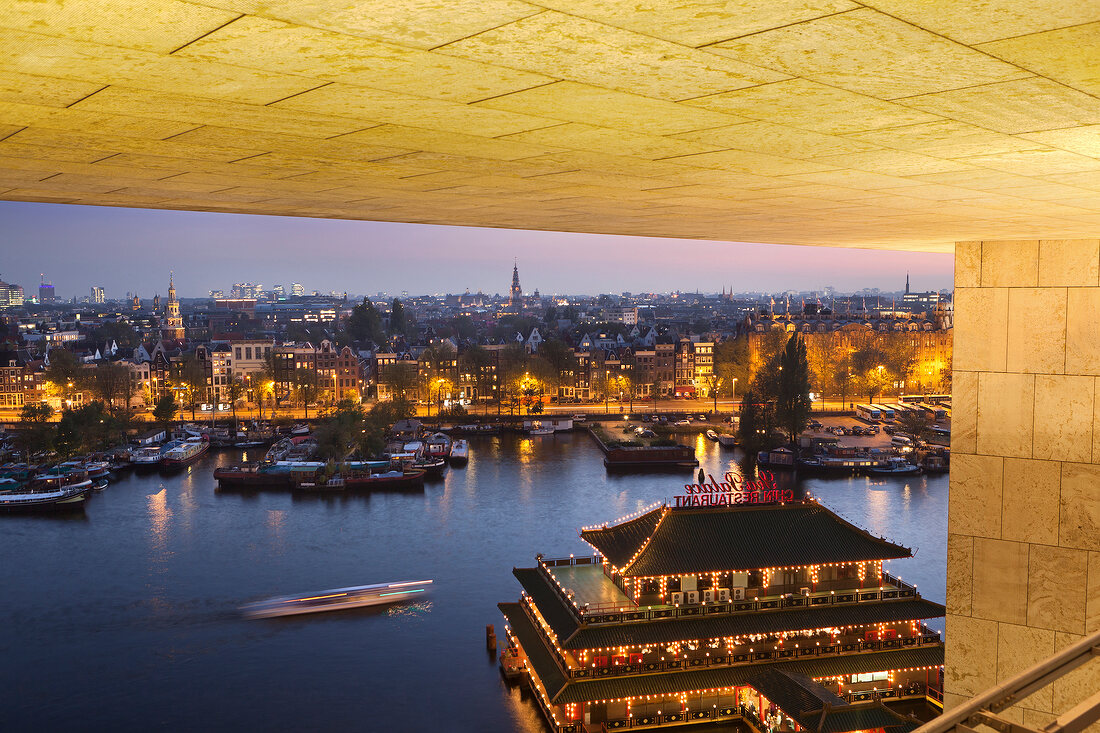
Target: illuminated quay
(778,616)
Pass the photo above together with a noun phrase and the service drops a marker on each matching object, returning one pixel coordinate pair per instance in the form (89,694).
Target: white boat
(711,435)
(337,599)
(460,452)
(47,494)
(300,429)
(727,440)
(541,431)
(184,452)
(894,466)
(438,445)
(148,455)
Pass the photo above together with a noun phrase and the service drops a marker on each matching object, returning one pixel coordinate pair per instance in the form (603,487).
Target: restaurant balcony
(701,654)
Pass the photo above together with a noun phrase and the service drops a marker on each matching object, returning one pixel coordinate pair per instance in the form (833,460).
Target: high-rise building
(297,290)
(46,292)
(11,295)
(97,294)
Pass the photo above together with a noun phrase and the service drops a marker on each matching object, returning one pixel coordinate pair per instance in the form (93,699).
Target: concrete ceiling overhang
(892,123)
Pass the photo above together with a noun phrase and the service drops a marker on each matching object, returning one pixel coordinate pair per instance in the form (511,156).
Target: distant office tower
(11,295)
(278,292)
(217,293)
(297,290)
(46,292)
(97,294)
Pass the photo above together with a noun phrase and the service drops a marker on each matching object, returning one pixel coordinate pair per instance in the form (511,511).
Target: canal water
(126,618)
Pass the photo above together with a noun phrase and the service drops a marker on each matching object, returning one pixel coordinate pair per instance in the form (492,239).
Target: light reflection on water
(139,599)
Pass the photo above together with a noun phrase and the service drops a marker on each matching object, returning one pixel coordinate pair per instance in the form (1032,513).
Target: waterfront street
(135,602)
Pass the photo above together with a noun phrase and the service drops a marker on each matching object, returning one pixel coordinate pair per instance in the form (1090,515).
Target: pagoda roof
(574,635)
(561,690)
(795,694)
(740,537)
(857,717)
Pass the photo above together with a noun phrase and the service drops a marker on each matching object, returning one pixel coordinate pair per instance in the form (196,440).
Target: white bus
(869,412)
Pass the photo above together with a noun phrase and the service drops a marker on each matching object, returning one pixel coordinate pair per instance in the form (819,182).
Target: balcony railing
(927,637)
(605,613)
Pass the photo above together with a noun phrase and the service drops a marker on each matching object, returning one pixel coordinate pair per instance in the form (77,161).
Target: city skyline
(68,242)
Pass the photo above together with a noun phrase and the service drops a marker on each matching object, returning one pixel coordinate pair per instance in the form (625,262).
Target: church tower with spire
(173,321)
(515,297)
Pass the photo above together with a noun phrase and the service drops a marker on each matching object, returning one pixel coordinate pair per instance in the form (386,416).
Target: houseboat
(147,455)
(775,615)
(337,599)
(183,452)
(48,493)
(438,445)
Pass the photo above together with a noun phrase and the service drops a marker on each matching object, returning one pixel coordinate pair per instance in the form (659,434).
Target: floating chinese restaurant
(775,616)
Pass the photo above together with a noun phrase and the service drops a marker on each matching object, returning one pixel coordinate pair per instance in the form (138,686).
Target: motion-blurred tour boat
(337,599)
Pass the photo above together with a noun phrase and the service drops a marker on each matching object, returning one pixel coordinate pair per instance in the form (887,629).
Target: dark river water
(126,618)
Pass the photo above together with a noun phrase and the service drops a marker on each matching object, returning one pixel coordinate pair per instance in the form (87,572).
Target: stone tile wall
(1023,552)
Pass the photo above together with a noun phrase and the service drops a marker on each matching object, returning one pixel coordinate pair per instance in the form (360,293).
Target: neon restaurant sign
(734,490)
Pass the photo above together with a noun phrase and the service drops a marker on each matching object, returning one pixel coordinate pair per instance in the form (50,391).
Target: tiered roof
(667,541)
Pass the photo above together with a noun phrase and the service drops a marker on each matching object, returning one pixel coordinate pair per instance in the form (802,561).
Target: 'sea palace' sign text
(734,490)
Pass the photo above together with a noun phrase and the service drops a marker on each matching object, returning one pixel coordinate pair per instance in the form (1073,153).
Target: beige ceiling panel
(340,149)
(1026,105)
(1089,179)
(893,163)
(259,43)
(811,106)
(945,139)
(575,136)
(768,137)
(601,178)
(871,53)
(701,22)
(421,24)
(584,51)
(1084,140)
(105,144)
(569,160)
(858,179)
(371,106)
(1037,162)
(1050,191)
(571,102)
(76,154)
(978,21)
(454,143)
(46,91)
(729,179)
(938,192)
(14,113)
(755,163)
(1067,55)
(84,61)
(983,180)
(160,26)
(160,105)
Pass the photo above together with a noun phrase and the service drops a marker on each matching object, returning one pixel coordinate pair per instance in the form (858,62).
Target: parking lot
(881,440)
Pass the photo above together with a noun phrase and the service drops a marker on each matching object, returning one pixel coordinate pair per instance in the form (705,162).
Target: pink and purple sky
(127,250)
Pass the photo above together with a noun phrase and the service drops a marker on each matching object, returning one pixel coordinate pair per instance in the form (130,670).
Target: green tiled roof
(795,694)
(764,622)
(687,541)
(858,717)
(613,688)
(549,603)
(619,542)
(538,654)
(571,635)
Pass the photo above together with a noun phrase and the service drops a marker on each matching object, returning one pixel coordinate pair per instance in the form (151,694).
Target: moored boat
(145,456)
(53,493)
(727,440)
(184,452)
(460,453)
(711,435)
(894,466)
(438,445)
(337,599)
